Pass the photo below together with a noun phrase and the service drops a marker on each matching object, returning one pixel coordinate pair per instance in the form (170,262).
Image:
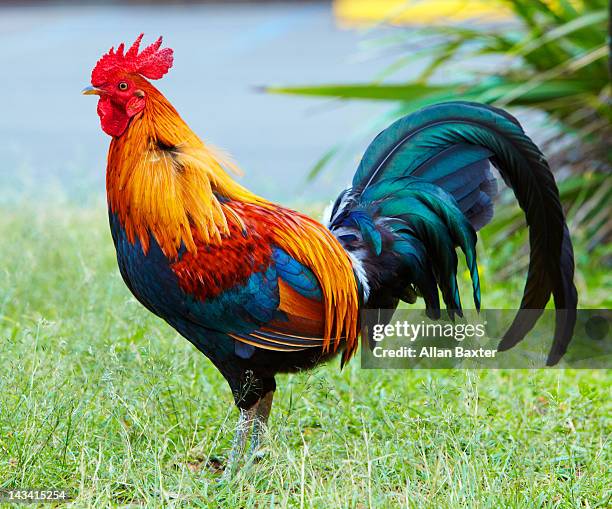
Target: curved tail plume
(424,186)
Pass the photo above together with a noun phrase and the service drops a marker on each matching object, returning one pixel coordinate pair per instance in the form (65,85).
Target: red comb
(152,62)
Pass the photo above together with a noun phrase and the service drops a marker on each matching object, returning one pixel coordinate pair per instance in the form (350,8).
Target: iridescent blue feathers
(424,186)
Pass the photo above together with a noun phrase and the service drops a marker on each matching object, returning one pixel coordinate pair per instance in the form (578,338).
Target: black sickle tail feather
(394,210)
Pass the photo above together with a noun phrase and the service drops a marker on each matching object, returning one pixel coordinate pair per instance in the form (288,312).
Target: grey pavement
(50,140)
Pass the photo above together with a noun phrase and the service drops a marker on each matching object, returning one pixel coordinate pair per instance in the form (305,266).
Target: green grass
(99,396)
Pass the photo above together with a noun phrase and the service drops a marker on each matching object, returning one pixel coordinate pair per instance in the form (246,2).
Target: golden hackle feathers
(162,179)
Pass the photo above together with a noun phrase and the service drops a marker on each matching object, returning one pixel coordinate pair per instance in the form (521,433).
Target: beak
(92,91)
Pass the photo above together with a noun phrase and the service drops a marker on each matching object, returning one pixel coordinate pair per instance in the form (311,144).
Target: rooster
(261,289)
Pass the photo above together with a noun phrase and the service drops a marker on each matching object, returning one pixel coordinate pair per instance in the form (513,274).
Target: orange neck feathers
(161,178)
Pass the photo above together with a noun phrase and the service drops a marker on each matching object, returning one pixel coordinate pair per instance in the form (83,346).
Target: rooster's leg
(261,420)
(245,423)
(253,417)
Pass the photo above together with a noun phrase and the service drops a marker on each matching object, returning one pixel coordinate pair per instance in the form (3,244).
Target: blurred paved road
(49,133)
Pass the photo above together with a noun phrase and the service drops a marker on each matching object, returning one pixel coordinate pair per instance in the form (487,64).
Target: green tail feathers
(425,186)
(431,215)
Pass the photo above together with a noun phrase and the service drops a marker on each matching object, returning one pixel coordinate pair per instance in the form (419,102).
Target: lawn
(100,397)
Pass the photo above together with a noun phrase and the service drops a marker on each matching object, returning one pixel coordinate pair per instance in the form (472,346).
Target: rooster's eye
(123,85)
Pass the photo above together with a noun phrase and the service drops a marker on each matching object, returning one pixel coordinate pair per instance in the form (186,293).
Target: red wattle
(113,118)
